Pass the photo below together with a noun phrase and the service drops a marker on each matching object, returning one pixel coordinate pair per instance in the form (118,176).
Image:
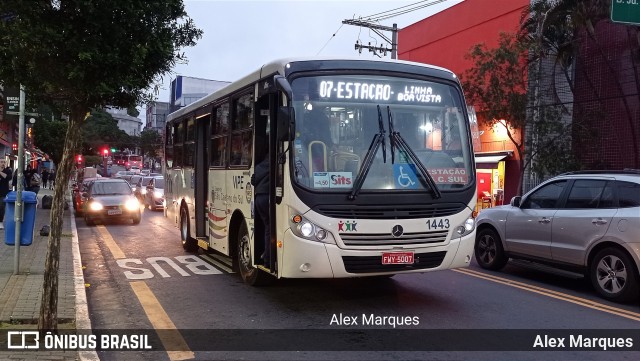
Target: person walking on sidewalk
(52,179)
(5,179)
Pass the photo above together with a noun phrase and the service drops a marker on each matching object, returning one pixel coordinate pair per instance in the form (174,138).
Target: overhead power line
(401,10)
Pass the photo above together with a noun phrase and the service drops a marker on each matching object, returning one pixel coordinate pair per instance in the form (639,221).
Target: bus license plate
(397,258)
(113,212)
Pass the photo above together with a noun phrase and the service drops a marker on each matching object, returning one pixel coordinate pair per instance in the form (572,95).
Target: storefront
(491,174)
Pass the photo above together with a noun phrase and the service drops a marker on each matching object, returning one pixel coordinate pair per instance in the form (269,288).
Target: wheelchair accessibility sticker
(405,176)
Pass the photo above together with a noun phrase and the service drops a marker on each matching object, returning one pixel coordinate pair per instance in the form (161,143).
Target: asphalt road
(140,278)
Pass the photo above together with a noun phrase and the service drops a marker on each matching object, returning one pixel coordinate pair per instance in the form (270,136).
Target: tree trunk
(48,319)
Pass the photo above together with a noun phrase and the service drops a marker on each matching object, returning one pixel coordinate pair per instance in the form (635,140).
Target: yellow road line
(116,252)
(554,294)
(176,346)
(174,343)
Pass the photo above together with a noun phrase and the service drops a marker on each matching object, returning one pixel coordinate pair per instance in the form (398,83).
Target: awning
(489,158)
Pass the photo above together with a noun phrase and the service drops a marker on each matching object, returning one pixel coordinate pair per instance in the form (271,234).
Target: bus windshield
(339,116)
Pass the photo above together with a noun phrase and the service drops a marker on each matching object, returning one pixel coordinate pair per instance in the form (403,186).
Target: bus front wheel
(250,274)
(188,243)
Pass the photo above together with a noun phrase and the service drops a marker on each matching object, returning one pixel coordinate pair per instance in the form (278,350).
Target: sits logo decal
(347,226)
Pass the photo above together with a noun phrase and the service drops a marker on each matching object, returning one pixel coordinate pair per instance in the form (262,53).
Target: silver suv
(587,222)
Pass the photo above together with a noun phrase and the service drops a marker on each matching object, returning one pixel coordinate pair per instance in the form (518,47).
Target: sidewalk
(20,295)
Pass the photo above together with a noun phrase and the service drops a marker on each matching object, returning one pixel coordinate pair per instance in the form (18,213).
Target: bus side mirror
(284,123)
(285,113)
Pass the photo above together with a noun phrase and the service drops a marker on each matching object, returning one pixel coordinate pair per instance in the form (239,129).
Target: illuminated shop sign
(387,91)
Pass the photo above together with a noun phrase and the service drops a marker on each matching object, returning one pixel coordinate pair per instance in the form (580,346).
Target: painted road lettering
(142,269)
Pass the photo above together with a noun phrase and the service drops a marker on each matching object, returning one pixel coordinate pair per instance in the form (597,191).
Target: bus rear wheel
(188,243)
(250,274)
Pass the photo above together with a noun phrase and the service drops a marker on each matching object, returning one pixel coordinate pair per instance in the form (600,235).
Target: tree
(102,130)
(555,29)
(47,135)
(56,49)
(498,83)
(150,142)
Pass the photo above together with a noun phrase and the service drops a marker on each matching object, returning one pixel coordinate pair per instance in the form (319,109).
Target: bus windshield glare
(338,117)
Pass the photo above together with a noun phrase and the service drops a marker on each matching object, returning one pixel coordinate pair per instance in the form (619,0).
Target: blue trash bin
(30,200)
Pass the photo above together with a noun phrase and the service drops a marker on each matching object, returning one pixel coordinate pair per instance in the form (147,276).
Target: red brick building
(603,108)
(444,39)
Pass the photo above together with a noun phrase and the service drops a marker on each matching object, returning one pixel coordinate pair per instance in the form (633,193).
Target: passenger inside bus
(260,182)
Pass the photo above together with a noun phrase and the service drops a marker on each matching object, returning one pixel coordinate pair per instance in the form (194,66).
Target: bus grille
(386,239)
(372,264)
(390,212)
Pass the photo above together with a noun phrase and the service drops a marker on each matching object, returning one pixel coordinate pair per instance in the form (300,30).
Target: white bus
(372,170)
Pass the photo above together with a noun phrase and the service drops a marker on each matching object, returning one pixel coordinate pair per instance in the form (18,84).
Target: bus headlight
(467,227)
(304,228)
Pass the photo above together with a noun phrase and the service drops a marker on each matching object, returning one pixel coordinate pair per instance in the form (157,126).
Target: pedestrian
(45,177)
(52,179)
(260,182)
(32,179)
(5,178)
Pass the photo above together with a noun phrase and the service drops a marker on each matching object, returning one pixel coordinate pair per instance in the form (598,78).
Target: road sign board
(625,11)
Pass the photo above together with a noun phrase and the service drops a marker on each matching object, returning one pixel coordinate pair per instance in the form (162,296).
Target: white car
(154,197)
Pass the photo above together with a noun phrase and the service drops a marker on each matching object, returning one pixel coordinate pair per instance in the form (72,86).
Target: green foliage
(91,52)
(100,131)
(47,136)
(133,111)
(78,55)
(150,142)
(497,82)
(92,160)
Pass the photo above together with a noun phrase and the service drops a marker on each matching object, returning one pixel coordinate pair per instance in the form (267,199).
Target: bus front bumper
(309,259)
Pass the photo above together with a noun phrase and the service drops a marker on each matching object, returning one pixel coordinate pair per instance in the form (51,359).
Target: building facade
(129,124)
(444,39)
(598,95)
(156,115)
(186,90)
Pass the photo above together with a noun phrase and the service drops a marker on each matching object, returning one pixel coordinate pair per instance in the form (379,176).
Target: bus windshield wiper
(377,140)
(396,140)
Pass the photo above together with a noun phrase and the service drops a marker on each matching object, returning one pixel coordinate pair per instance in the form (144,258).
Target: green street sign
(625,11)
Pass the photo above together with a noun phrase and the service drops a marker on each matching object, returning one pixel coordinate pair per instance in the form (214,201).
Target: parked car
(586,222)
(110,199)
(154,198)
(77,192)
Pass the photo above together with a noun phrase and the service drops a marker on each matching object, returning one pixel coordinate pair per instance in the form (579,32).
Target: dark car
(76,195)
(110,199)
(154,198)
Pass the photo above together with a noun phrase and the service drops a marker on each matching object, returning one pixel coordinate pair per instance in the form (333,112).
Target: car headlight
(157,194)
(467,227)
(95,206)
(304,228)
(132,204)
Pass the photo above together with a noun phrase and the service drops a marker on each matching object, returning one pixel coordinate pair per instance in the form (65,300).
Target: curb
(82,309)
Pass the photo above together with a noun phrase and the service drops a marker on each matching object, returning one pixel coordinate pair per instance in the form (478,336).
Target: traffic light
(79,158)
(14,147)
(105,152)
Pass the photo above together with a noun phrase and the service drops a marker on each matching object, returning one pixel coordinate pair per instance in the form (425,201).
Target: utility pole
(19,207)
(376,29)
